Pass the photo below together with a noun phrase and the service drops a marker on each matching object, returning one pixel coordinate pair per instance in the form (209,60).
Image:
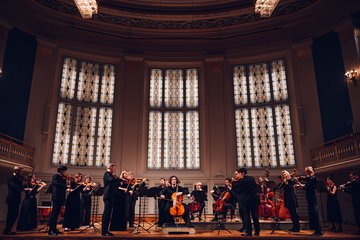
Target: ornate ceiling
(177,14)
(177,24)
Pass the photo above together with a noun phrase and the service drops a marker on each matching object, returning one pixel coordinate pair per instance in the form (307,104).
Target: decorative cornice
(213,22)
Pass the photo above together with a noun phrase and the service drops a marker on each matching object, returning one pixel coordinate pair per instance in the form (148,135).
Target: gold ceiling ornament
(265,7)
(87,7)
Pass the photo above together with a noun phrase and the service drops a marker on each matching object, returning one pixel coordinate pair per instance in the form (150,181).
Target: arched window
(262,115)
(84,117)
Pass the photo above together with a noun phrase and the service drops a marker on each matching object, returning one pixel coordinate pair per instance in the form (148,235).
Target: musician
(226,200)
(167,192)
(15,186)
(85,208)
(121,203)
(290,200)
(161,204)
(353,187)
(246,190)
(197,200)
(135,185)
(108,198)
(310,188)
(28,211)
(333,206)
(266,206)
(58,186)
(72,204)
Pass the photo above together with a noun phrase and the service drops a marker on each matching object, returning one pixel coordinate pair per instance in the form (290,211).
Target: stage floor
(201,233)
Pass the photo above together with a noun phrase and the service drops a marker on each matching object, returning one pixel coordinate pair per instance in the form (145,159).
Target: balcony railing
(15,151)
(340,151)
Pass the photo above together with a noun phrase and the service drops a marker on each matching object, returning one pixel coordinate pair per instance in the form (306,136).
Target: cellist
(174,190)
(224,202)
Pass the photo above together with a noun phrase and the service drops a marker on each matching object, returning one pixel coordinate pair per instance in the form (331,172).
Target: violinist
(199,197)
(313,210)
(15,186)
(175,193)
(134,185)
(72,204)
(121,202)
(290,200)
(353,188)
(85,208)
(28,211)
(246,190)
(332,205)
(58,186)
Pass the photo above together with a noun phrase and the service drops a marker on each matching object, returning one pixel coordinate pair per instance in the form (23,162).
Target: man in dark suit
(58,186)
(15,186)
(109,197)
(247,196)
(310,188)
(353,187)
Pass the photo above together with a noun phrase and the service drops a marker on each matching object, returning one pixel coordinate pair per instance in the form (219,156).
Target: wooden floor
(140,233)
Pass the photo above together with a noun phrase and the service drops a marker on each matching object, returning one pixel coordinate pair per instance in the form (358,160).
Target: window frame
(163,109)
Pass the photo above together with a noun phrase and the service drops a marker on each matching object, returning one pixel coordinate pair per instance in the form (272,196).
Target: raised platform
(201,234)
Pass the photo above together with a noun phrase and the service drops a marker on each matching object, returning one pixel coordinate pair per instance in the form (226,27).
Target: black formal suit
(167,192)
(58,185)
(13,200)
(354,189)
(161,208)
(109,197)
(314,216)
(290,202)
(248,201)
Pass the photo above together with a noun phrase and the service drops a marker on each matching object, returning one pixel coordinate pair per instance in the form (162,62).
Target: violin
(177,209)
(345,185)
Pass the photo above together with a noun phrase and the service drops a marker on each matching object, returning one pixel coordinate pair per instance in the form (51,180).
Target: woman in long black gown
(121,205)
(333,206)
(72,204)
(28,212)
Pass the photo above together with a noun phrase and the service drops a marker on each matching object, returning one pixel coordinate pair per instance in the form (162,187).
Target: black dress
(120,208)
(333,208)
(28,212)
(72,207)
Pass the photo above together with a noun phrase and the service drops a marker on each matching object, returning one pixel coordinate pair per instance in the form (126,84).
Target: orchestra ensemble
(254,200)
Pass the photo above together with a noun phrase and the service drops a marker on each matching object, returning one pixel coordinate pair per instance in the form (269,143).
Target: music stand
(155,193)
(142,191)
(276,224)
(94,194)
(321,187)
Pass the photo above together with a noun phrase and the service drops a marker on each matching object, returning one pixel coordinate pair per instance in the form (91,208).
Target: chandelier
(87,7)
(265,7)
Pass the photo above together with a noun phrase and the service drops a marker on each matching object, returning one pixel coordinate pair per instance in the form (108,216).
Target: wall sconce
(351,76)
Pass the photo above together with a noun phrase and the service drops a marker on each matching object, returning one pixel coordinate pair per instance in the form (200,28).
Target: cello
(177,209)
(218,204)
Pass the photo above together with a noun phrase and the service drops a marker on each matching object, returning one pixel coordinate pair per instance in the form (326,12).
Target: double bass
(178,208)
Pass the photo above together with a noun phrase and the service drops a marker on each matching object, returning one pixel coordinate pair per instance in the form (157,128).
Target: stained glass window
(262,115)
(174,132)
(84,119)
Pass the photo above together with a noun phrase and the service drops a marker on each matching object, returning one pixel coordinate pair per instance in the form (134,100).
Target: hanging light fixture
(265,7)
(87,7)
